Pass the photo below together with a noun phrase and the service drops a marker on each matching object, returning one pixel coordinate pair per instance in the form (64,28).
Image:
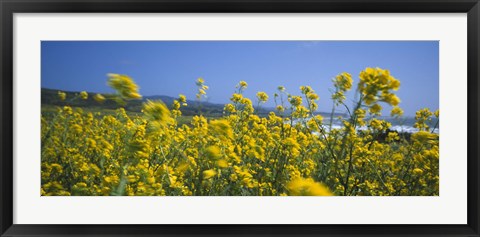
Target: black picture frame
(9,7)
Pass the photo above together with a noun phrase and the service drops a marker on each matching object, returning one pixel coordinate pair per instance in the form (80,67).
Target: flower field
(292,151)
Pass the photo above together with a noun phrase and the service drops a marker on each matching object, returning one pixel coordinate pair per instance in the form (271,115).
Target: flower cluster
(124,85)
(376,85)
(287,152)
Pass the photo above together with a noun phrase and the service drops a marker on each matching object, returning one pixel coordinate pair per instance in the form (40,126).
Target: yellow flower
(176,105)
(262,96)
(395,84)
(392,136)
(422,118)
(201,88)
(156,111)
(221,127)
(312,96)
(360,113)
(279,108)
(236,98)
(207,174)
(67,109)
(200,81)
(182,167)
(182,98)
(396,111)
(91,143)
(391,99)
(417,171)
(213,152)
(380,125)
(305,89)
(242,85)
(99,98)
(376,109)
(343,81)
(374,81)
(229,108)
(124,85)
(222,163)
(423,136)
(62,95)
(84,95)
(318,118)
(295,100)
(307,187)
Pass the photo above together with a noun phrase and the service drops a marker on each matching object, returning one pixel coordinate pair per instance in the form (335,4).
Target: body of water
(404,124)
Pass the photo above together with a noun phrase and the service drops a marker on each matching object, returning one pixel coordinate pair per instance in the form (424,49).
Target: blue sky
(171,67)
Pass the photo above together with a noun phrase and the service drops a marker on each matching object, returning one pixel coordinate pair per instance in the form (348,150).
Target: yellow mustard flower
(307,187)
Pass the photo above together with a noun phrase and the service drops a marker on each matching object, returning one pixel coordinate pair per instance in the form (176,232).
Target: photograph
(240,118)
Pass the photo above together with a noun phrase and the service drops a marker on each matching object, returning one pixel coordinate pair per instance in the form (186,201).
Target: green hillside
(50,98)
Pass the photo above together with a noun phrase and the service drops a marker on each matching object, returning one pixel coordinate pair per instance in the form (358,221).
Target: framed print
(253,118)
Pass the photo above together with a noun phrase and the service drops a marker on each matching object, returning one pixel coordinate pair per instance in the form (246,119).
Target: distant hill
(50,97)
